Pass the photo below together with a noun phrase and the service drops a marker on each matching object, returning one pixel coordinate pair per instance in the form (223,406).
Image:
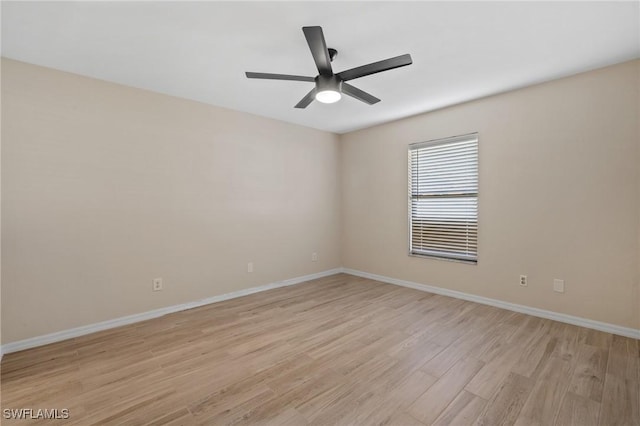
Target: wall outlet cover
(558,285)
(157,284)
(523,281)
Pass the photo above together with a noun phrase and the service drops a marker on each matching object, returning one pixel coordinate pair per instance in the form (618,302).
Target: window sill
(449,259)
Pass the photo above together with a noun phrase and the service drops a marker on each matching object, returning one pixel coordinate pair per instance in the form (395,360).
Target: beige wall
(559,196)
(105,187)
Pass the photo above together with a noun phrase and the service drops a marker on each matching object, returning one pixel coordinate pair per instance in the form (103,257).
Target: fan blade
(304,102)
(318,46)
(360,95)
(268,76)
(387,64)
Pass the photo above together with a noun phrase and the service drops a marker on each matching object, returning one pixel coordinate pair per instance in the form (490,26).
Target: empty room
(320,213)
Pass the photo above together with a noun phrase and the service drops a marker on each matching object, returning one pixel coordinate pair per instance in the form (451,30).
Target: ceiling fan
(329,86)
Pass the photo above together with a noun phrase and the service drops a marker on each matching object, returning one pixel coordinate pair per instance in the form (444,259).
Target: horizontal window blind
(443,198)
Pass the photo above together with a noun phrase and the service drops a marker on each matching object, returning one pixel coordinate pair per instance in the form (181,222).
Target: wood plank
(595,338)
(624,361)
(505,406)
(289,417)
(431,403)
(180,417)
(568,336)
(494,373)
(392,396)
(402,418)
(588,377)
(543,403)
(533,360)
(577,410)
(453,353)
(234,413)
(621,405)
(464,410)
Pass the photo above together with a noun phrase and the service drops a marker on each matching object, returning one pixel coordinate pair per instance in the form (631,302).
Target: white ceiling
(200,50)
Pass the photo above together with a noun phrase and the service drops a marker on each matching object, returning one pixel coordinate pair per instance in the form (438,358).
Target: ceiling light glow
(328,96)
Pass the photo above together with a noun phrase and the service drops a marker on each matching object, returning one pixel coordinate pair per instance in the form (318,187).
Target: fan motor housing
(328,82)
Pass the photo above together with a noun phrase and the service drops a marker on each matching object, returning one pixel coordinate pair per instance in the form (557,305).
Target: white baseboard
(130,319)
(569,319)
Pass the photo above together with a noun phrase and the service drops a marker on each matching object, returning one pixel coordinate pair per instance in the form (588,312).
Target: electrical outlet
(314,257)
(558,285)
(523,280)
(250,267)
(157,284)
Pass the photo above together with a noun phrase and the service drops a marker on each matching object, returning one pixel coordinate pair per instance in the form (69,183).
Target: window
(443,198)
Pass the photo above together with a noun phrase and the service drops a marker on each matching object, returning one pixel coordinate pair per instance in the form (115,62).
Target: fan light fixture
(328,96)
(328,89)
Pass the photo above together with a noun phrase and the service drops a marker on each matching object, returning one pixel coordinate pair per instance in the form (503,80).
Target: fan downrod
(332,53)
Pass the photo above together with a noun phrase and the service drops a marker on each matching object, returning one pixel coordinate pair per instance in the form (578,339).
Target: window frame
(435,254)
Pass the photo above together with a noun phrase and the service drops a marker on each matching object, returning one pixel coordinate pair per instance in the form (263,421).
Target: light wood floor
(339,350)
